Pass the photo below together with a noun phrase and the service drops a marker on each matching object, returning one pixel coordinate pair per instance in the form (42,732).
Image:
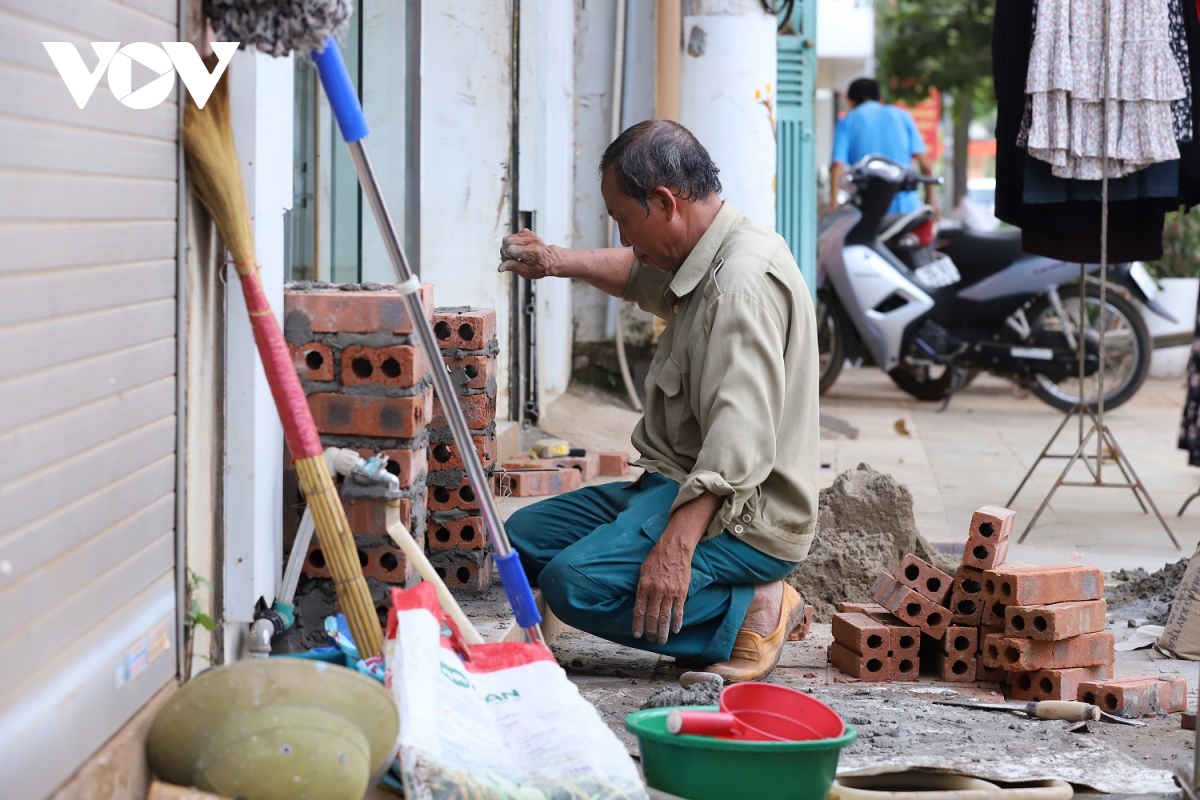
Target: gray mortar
(865,526)
(367,389)
(322,286)
(1138,595)
(445,435)
(446,478)
(316,599)
(376,443)
(700,694)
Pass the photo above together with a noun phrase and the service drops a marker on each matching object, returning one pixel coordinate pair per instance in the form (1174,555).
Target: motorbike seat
(978,254)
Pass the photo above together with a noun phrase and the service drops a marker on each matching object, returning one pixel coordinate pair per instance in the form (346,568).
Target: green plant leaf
(205,621)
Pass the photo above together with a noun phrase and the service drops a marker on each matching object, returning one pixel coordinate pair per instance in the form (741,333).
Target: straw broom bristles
(214,173)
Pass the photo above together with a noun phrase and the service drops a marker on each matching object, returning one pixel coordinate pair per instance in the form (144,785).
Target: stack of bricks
(456,539)
(369,390)
(1040,629)
(525,475)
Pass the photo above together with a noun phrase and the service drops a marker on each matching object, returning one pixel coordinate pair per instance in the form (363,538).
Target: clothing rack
(1092,425)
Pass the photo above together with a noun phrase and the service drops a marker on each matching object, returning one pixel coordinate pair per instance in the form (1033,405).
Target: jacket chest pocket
(675,403)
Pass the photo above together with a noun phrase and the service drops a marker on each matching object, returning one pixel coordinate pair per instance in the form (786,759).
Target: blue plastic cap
(343,98)
(516,587)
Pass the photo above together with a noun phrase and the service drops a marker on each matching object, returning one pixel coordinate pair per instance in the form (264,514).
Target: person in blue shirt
(872,128)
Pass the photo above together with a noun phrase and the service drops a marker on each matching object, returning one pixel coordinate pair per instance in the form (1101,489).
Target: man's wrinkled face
(646,233)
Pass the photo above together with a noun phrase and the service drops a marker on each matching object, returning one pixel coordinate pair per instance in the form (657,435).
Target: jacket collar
(700,260)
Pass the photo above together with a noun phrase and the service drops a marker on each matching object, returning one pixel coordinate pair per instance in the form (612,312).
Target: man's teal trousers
(585,549)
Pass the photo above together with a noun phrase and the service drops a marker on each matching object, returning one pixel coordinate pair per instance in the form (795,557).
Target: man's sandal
(754,656)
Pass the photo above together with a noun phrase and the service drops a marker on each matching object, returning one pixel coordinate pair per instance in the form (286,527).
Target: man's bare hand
(527,255)
(662,590)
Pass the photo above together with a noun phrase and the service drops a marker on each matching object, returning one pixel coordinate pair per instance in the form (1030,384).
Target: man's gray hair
(659,152)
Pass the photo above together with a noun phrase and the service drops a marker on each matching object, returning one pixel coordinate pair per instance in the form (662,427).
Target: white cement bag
(494,720)
(1181,634)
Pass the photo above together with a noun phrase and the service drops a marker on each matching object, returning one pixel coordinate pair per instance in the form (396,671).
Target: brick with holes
(1016,654)
(466,533)
(334,310)
(1056,621)
(444,455)
(966,596)
(614,464)
(862,635)
(801,631)
(361,415)
(1136,695)
(460,498)
(462,574)
(955,667)
(314,361)
(386,563)
(904,658)
(987,543)
(929,581)
(536,483)
(863,667)
(995,602)
(910,606)
(1056,684)
(464,328)
(401,366)
(960,640)
(472,372)
(368,516)
(1029,585)
(479,410)
(861,608)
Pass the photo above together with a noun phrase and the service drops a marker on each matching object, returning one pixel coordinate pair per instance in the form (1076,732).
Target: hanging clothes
(1094,86)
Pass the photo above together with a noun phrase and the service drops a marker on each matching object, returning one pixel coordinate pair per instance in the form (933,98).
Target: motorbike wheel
(832,333)
(1127,344)
(923,382)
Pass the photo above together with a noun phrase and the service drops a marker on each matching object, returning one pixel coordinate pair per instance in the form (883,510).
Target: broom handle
(343,99)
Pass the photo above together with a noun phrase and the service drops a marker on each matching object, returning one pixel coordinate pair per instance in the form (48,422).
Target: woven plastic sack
(493,720)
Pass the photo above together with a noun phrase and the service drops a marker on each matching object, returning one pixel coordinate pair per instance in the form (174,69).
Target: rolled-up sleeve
(740,397)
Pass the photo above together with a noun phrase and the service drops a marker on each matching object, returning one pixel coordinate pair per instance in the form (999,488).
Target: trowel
(1066,710)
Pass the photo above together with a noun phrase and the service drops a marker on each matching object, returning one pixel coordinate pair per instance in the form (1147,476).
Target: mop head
(277,27)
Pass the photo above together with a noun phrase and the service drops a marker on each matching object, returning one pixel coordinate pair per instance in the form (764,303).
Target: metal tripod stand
(1106,445)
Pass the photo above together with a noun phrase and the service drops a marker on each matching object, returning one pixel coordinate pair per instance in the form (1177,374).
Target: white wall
(845,29)
(465,137)
(261,102)
(547,178)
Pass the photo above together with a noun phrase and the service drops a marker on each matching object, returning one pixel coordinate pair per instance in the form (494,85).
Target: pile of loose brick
(525,475)
(1039,630)
(456,539)
(369,389)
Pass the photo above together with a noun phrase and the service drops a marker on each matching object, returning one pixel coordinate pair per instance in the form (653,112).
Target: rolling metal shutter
(796,199)
(89,203)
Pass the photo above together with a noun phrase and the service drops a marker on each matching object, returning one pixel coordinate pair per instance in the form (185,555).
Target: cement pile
(865,526)
(699,694)
(1137,594)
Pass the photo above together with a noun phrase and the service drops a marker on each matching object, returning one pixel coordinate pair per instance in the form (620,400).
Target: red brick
(986,674)
(966,596)
(471,372)
(400,365)
(1032,586)
(406,465)
(1056,621)
(955,667)
(863,667)
(993,614)
(910,606)
(800,632)
(861,608)
(536,483)
(368,516)
(338,311)
(467,533)
(444,455)
(961,641)
(462,498)
(464,329)
(479,409)
(314,361)
(614,464)
(862,635)
(904,658)
(386,563)
(588,466)
(356,415)
(1016,654)
(926,579)
(1056,684)
(1137,695)
(987,543)
(465,575)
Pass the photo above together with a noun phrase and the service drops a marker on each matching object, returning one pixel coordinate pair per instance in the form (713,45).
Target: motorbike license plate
(1141,276)
(942,272)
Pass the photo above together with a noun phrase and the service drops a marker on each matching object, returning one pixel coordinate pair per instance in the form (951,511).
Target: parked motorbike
(933,309)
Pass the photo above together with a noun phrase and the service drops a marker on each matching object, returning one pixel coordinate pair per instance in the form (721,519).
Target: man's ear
(664,200)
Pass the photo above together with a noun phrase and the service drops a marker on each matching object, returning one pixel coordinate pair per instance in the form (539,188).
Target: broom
(213,170)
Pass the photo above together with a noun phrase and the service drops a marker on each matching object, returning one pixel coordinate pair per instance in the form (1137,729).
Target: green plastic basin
(704,768)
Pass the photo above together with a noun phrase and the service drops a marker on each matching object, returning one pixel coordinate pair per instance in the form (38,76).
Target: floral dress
(1088,80)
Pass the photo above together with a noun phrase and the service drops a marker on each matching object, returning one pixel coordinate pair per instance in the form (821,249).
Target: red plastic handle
(703,723)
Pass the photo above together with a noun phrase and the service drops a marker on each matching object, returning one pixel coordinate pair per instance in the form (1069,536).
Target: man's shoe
(755,655)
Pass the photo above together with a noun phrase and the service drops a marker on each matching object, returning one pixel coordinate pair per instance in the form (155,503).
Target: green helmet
(276,729)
